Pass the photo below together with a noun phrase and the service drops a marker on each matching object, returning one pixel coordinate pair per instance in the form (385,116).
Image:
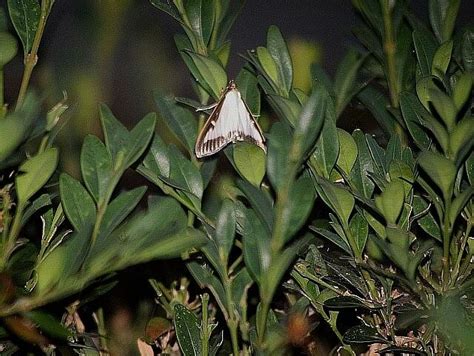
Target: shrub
(368,235)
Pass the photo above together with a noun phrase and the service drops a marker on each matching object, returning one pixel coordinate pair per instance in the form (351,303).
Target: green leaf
(377,104)
(427,222)
(42,201)
(279,52)
(334,238)
(49,324)
(467,50)
(225,229)
(249,160)
(8,48)
(390,202)
(337,198)
(309,124)
(208,73)
(96,166)
(35,172)
(444,105)
(470,168)
(115,134)
(248,86)
(360,231)
(345,79)
(278,148)
(180,120)
(259,201)
(119,209)
(185,175)
(442,58)
(347,151)
(459,203)
(423,88)
(256,241)
(462,90)
(204,276)
(187,329)
(425,47)
(77,203)
(157,160)
(363,165)
(138,139)
(462,137)
(200,15)
(25,16)
(327,149)
(300,203)
(168,8)
(286,109)
(413,114)
(440,169)
(268,64)
(54,272)
(362,334)
(443,17)
(239,286)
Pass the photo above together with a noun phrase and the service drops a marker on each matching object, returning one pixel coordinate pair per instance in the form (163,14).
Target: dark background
(119,51)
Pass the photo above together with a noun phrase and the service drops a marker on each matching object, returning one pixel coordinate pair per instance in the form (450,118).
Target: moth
(230,121)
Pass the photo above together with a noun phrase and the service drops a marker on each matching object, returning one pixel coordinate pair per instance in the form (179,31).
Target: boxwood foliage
(326,225)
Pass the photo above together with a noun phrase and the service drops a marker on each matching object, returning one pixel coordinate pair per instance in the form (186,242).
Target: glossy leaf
(225,229)
(347,151)
(425,47)
(268,64)
(362,334)
(427,222)
(462,90)
(119,209)
(211,73)
(442,58)
(34,173)
(360,231)
(256,243)
(188,331)
(326,152)
(115,133)
(363,165)
(77,203)
(444,105)
(249,160)
(334,238)
(442,17)
(96,166)
(413,114)
(25,16)
(278,148)
(279,52)
(248,87)
(184,174)
(179,120)
(345,79)
(440,169)
(338,199)
(204,276)
(300,203)
(138,139)
(391,200)
(260,202)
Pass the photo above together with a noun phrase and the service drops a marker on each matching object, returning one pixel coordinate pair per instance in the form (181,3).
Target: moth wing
(230,121)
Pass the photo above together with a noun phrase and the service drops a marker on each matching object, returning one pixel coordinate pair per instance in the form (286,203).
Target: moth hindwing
(229,122)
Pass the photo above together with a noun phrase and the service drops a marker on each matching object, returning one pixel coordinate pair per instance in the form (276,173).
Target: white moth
(229,122)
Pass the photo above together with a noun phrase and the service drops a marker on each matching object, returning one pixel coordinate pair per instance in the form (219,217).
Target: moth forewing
(230,121)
